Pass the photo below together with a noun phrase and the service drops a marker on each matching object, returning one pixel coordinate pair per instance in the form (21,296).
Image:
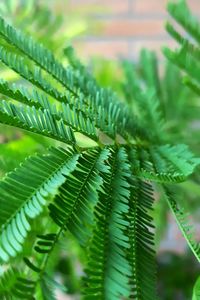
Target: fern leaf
(181,13)
(37,121)
(28,187)
(19,94)
(71,80)
(73,206)
(184,60)
(187,57)
(143,97)
(108,270)
(142,254)
(175,34)
(45,243)
(48,287)
(149,70)
(71,114)
(196,290)
(115,112)
(163,163)
(13,285)
(80,115)
(180,157)
(181,219)
(36,52)
(151,113)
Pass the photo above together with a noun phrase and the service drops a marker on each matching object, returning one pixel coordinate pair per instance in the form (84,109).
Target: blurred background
(103,33)
(120,27)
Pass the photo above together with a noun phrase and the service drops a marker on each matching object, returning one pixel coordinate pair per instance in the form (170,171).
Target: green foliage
(28,186)
(103,194)
(181,219)
(107,254)
(187,56)
(142,251)
(196,291)
(13,286)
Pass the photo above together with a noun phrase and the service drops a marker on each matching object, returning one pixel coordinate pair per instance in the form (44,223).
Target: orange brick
(101,48)
(150,7)
(158,7)
(194,5)
(132,28)
(151,45)
(100,7)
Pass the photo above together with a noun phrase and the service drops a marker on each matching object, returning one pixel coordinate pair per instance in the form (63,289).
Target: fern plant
(185,57)
(144,87)
(101,192)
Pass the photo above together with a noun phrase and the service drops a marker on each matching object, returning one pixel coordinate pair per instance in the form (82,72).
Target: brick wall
(123,27)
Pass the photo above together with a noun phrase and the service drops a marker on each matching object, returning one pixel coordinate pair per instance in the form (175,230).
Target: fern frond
(80,114)
(149,71)
(163,163)
(36,52)
(73,206)
(182,220)
(180,158)
(67,113)
(19,94)
(37,121)
(48,287)
(196,290)
(184,59)
(174,33)
(28,187)
(108,270)
(13,285)
(181,13)
(101,195)
(151,113)
(143,99)
(114,109)
(142,254)
(187,57)
(114,112)
(45,245)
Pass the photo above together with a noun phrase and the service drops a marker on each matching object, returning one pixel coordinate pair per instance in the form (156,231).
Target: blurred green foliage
(50,27)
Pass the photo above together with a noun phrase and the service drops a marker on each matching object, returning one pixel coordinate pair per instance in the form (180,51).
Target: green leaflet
(13,285)
(108,270)
(163,163)
(75,112)
(38,121)
(181,13)
(143,95)
(182,220)
(196,290)
(110,114)
(187,57)
(67,113)
(27,189)
(73,206)
(141,253)
(48,287)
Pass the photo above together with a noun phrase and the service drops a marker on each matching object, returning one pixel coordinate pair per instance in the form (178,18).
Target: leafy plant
(49,27)
(196,292)
(101,193)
